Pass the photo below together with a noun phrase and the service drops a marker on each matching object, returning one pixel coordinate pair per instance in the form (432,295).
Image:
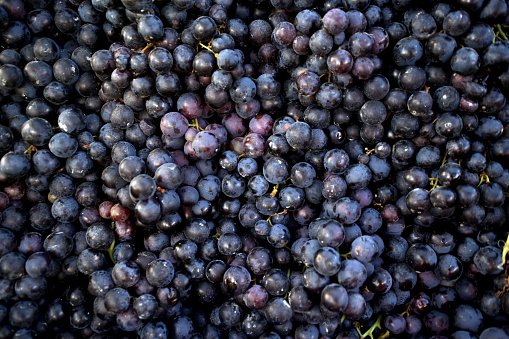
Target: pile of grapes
(254,169)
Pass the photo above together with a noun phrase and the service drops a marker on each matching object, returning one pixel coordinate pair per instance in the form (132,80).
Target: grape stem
(147,47)
(207,48)
(444,159)
(29,151)
(346,256)
(434,183)
(407,312)
(220,28)
(274,191)
(505,250)
(484,179)
(369,332)
(328,74)
(196,125)
(501,32)
(110,251)
(272,215)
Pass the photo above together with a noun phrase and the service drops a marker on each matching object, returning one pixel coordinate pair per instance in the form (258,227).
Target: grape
(205,145)
(160,272)
(174,125)
(221,169)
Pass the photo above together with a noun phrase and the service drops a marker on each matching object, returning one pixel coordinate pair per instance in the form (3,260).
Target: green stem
(110,251)
(196,125)
(369,333)
(499,28)
(505,250)
(208,48)
(346,256)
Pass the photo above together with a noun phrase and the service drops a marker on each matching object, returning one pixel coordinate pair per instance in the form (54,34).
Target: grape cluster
(201,169)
